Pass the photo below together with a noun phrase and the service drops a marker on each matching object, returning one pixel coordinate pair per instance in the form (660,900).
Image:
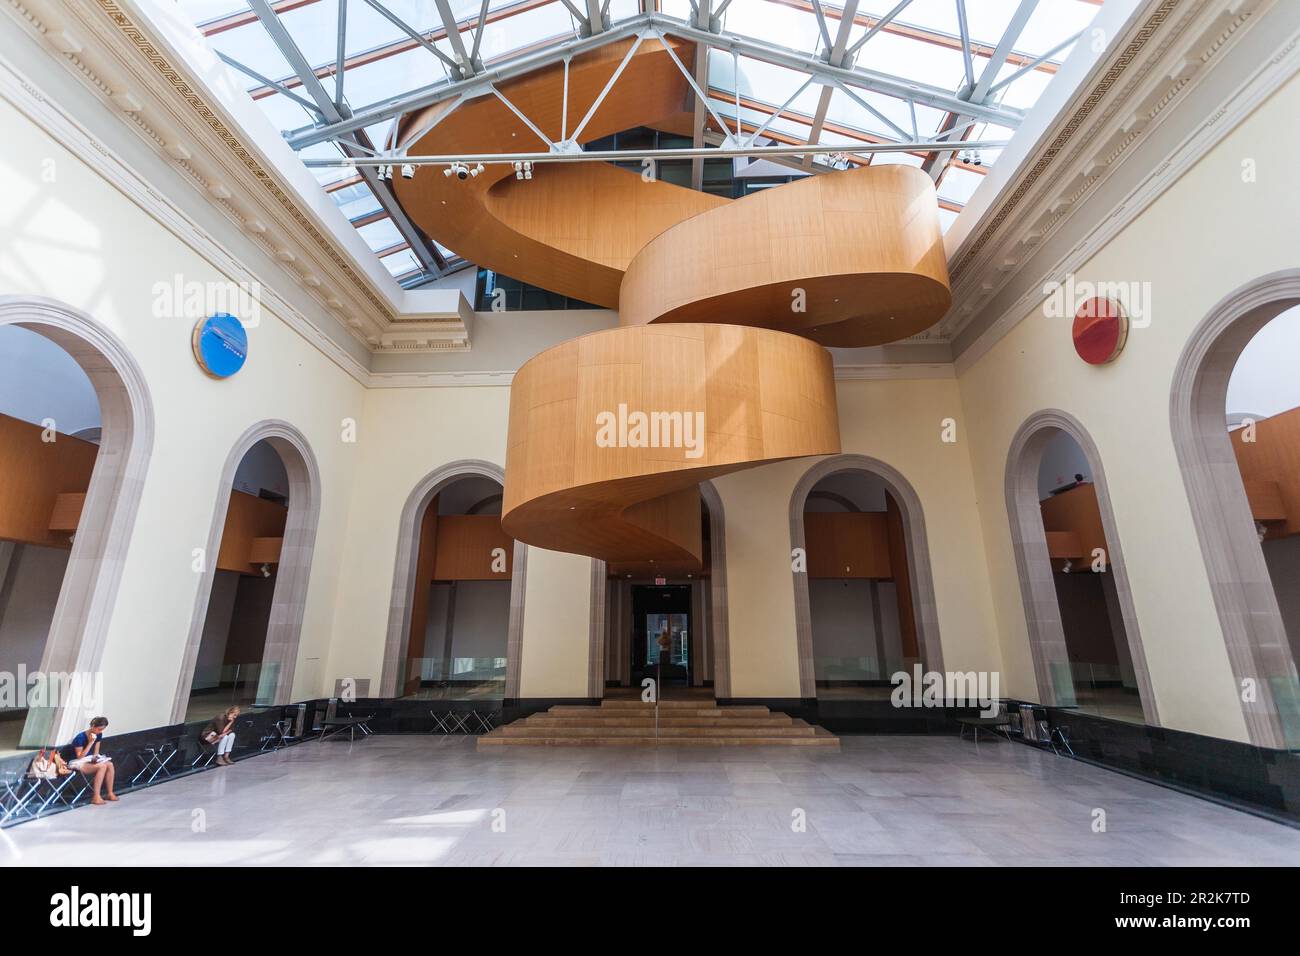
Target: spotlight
(408,171)
(457,169)
(524,170)
(476,170)
(266,570)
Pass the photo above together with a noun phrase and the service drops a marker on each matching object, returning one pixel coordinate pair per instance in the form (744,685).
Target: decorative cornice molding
(1089,144)
(29,100)
(878,373)
(1249,94)
(144,44)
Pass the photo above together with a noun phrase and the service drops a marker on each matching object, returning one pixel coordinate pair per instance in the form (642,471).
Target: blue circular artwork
(220,345)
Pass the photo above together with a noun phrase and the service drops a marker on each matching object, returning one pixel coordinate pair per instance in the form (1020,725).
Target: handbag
(44,766)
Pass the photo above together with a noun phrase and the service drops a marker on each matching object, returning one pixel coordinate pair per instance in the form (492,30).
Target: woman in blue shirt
(90,762)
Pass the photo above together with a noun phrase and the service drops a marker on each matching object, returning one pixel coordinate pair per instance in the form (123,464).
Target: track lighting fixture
(524,170)
(408,171)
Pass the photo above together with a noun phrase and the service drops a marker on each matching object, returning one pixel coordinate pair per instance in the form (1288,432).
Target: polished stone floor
(437,800)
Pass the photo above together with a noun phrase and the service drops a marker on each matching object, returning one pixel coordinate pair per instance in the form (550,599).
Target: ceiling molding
(1170,48)
(1264,75)
(31,101)
(124,64)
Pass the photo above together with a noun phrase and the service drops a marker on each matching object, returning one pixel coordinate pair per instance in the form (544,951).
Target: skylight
(846,76)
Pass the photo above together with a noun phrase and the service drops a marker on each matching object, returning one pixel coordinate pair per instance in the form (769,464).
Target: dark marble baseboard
(1241,775)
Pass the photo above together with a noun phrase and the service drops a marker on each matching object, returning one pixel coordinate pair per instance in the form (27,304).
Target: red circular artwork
(1100,330)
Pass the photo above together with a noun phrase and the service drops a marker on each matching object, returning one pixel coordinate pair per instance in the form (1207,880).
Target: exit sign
(660,581)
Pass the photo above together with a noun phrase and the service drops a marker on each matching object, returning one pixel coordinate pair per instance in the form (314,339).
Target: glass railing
(856,678)
(456,678)
(1102,690)
(248,686)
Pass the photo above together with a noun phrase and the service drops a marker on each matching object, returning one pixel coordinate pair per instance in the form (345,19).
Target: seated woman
(220,733)
(88,759)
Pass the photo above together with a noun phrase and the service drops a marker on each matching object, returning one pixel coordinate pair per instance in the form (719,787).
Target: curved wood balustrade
(573,228)
(760,396)
(847,259)
(861,250)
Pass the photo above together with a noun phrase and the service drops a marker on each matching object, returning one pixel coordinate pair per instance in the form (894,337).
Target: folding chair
(459,722)
(441,724)
(156,759)
(43,792)
(11,787)
(278,736)
(203,759)
(484,722)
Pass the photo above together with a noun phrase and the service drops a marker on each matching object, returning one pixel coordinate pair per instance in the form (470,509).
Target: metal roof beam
(822,72)
(354,143)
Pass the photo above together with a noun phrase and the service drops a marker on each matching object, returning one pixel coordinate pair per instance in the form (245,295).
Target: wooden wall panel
(1274,456)
(847,545)
(1076,511)
(248,517)
(33,474)
(464,549)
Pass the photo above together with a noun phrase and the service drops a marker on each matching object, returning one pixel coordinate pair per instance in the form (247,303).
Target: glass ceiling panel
(525,29)
(922,46)
(201,11)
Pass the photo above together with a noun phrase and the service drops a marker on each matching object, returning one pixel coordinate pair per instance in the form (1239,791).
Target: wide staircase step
(635,723)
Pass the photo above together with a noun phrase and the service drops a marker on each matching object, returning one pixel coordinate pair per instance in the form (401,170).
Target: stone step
(584,710)
(551,720)
(621,704)
(533,730)
(820,739)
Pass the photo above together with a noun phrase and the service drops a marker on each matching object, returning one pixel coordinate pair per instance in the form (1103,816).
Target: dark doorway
(661,628)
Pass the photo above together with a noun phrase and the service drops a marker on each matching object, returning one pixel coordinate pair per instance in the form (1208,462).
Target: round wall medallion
(1100,330)
(220,345)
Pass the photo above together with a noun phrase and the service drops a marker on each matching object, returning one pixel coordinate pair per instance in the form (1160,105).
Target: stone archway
(918,559)
(404,574)
(284,628)
(1034,566)
(78,632)
(1253,630)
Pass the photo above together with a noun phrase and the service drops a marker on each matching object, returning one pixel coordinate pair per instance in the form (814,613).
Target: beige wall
(403,435)
(899,422)
(78,240)
(1207,235)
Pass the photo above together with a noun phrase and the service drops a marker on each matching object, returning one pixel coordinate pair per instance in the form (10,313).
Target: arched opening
(1241,479)
(76,431)
(460,616)
(864,595)
(244,636)
(665,623)
(1083,629)
(457,611)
